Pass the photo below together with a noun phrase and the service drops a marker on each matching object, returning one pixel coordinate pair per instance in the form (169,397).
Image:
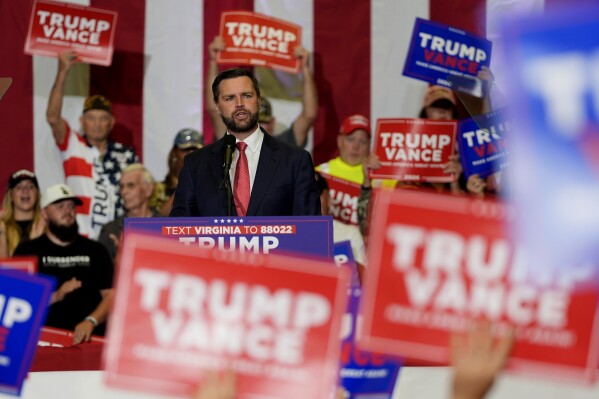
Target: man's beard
(64,233)
(243,127)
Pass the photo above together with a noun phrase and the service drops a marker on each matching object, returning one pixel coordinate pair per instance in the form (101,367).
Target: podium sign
(272,320)
(308,235)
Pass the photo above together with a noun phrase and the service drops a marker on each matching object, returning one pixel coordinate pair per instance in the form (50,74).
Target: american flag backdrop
(157,75)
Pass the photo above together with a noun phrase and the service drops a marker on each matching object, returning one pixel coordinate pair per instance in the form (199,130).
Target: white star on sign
(222,220)
(228,220)
(215,220)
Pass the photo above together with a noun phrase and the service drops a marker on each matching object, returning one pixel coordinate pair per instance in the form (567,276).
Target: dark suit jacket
(284,183)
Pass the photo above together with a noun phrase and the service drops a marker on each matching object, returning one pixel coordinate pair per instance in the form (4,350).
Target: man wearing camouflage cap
(92,163)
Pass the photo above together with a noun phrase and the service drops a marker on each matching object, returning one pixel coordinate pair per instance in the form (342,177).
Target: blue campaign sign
(24,300)
(482,144)
(306,235)
(438,52)
(552,64)
(362,374)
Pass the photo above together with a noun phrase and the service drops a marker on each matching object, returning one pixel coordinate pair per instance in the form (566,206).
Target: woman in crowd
(20,218)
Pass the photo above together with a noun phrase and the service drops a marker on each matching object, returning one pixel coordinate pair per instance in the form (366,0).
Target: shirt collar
(254,140)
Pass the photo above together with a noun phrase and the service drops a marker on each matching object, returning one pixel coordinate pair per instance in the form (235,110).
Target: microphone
(229,150)
(226,183)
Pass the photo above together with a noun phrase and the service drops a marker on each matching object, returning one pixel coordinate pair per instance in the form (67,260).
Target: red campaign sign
(344,199)
(25,263)
(414,149)
(256,39)
(272,320)
(436,263)
(56,27)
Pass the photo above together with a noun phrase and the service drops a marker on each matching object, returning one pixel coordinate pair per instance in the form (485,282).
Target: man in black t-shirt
(82,267)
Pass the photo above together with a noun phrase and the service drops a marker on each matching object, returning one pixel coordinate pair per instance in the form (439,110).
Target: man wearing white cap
(82,267)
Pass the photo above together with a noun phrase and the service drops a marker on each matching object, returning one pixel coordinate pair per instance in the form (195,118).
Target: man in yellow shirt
(353,142)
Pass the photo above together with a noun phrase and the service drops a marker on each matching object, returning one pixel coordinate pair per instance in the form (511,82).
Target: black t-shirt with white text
(87,261)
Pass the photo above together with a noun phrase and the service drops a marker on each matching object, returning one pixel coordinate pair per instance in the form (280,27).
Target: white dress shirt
(252,152)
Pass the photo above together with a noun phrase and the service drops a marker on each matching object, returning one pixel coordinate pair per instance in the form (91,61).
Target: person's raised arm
(303,123)
(218,44)
(477,359)
(54,111)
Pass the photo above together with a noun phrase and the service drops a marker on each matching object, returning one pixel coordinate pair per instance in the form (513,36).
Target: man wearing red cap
(353,142)
(92,163)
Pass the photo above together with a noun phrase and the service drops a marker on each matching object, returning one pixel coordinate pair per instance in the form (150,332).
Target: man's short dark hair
(231,74)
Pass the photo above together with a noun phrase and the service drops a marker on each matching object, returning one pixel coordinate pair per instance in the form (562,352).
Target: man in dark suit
(278,179)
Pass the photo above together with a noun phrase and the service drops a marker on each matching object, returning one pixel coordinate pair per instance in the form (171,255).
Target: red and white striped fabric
(85,175)
(156,79)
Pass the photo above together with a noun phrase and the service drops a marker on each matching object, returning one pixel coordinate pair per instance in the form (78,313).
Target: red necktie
(242,181)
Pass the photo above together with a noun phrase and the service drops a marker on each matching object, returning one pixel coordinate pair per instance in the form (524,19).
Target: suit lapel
(216,165)
(267,166)
(217,160)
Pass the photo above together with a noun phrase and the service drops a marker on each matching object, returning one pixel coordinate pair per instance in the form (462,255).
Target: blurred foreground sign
(554,70)
(272,320)
(438,262)
(23,303)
